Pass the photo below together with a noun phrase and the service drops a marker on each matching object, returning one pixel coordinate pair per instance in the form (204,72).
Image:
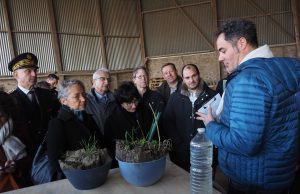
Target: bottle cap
(201,130)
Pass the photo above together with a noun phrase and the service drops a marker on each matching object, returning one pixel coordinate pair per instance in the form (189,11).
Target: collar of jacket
(179,81)
(109,95)
(65,113)
(184,90)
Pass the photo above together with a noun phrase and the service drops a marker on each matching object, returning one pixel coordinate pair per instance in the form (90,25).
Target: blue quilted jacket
(258,128)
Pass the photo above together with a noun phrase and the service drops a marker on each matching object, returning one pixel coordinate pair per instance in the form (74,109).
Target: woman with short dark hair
(127,117)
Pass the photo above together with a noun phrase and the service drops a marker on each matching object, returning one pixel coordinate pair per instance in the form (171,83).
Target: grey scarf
(13,148)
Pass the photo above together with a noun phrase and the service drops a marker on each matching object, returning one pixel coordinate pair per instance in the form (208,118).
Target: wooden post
(102,36)
(54,40)
(140,23)
(9,33)
(295,11)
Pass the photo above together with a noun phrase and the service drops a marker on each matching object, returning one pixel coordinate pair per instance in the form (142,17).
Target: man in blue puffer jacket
(257,130)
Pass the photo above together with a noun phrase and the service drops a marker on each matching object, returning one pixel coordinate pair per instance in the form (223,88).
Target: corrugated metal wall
(4,55)
(4,46)
(40,45)
(185,27)
(31,31)
(91,33)
(79,34)
(80,53)
(273,18)
(29,15)
(122,33)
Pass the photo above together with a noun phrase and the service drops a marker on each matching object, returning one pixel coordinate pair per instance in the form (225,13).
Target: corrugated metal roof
(269,32)
(123,53)
(80,52)
(273,6)
(187,2)
(234,8)
(201,15)
(5,55)
(155,4)
(273,19)
(40,45)
(250,8)
(29,15)
(169,32)
(77,16)
(120,18)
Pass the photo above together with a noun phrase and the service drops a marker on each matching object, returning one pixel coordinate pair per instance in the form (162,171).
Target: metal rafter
(193,24)
(269,15)
(9,32)
(102,36)
(140,23)
(295,10)
(54,39)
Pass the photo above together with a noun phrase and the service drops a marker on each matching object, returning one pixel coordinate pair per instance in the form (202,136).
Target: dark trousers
(232,190)
(295,189)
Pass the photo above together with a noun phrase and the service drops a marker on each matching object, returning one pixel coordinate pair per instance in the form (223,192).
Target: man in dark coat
(35,106)
(100,100)
(172,81)
(179,119)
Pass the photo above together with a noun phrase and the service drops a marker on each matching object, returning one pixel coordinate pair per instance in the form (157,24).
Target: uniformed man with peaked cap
(35,106)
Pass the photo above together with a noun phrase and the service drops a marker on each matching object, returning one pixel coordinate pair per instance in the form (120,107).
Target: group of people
(256,129)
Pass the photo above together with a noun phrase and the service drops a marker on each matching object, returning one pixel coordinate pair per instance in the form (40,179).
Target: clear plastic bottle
(201,161)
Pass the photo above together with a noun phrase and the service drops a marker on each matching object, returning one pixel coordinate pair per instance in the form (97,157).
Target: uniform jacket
(180,124)
(66,132)
(32,121)
(258,128)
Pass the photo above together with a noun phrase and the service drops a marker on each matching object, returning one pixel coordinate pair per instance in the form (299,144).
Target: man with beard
(179,117)
(257,132)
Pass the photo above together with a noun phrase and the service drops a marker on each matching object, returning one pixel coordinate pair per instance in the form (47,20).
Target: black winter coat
(31,121)
(164,89)
(66,132)
(180,124)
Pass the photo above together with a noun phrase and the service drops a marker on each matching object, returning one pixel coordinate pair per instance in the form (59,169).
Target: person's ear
(63,101)
(15,74)
(242,43)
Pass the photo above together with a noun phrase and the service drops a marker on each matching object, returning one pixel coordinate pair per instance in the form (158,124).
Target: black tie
(32,98)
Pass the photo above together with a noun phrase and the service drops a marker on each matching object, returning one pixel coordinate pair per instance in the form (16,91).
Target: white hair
(103,69)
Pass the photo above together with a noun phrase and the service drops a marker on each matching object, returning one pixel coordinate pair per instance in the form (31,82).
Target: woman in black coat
(127,117)
(72,125)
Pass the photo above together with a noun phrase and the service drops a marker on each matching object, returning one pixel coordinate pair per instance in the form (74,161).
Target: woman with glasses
(72,125)
(127,117)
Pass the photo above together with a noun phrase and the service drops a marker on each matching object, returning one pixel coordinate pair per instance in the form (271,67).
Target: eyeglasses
(130,104)
(78,96)
(141,77)
(103,79)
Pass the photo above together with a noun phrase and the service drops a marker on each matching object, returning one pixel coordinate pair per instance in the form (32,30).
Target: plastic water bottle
(201,161)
